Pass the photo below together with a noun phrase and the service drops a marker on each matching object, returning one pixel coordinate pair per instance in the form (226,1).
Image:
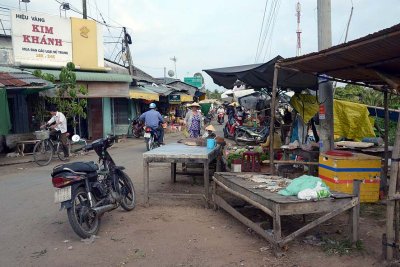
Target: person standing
(58,126)
(194,121)
(152,119)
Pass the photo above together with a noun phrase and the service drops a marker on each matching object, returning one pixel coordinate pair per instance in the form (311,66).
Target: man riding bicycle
(152,119)
(58,126)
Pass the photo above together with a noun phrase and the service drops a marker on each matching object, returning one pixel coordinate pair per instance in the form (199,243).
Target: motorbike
(247,135)
(88,190)
(151,139)
(230,128)
(137,128)
(220,118)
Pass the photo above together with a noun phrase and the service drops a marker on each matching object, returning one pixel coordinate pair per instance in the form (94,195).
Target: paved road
(29,217)
(31,224)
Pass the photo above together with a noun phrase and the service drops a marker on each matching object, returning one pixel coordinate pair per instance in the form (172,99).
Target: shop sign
(41,40)
(194,81)
(174,99)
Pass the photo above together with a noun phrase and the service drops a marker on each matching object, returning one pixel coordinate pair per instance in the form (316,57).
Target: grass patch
(342,247)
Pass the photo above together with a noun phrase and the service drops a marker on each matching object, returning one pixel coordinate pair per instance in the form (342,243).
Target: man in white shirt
(58,126)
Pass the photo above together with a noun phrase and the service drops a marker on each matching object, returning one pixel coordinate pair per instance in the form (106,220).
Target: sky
(219,33)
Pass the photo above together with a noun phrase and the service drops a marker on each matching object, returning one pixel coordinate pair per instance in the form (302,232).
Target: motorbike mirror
(75,138)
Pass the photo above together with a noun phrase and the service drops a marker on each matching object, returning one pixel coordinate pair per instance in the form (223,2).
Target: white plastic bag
(314,193)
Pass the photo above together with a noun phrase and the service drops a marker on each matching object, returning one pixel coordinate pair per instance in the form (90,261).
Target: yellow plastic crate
(339,172)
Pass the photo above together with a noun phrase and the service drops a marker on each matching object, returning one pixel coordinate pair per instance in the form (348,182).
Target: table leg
(184,167)
(206,182)
(146,182)
(277,224)
(173,172)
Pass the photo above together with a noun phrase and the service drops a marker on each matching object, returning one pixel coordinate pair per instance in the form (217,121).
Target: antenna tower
(298,31)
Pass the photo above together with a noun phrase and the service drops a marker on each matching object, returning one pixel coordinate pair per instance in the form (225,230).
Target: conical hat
(210,128)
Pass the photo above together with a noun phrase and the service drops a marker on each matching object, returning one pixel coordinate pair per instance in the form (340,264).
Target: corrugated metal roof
(92,76)
(12,78)
(356,61)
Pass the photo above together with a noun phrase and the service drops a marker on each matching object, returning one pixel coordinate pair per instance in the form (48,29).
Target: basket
(42,135)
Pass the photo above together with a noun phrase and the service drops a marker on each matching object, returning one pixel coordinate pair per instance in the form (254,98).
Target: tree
(67,97)
(213,95)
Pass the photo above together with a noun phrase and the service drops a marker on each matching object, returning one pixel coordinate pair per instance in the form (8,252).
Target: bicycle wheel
(60,151)
(43,152)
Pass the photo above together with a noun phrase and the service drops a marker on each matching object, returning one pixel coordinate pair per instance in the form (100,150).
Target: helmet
(152,105)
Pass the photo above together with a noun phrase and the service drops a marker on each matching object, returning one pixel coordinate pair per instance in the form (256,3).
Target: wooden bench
(20,147)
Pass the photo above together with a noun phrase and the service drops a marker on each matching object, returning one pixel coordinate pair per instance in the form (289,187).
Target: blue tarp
(380,112)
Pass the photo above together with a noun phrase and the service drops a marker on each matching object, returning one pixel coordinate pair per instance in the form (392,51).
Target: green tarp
(5,122)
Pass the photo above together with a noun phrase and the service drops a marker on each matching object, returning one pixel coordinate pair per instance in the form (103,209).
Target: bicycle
(44,150)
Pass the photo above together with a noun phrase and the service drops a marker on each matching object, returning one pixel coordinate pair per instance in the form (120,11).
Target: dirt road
(169,233)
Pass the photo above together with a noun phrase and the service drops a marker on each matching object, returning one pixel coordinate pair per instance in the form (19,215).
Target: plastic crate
(339,173)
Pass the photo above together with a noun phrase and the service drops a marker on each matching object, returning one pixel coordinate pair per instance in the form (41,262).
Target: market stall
(180,153)
(260,191)
(371,61)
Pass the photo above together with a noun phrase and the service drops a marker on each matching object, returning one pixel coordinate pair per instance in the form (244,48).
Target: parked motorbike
(151,139)
(247,135)
(220,118)
(87,190)
(230,128)
(137,127)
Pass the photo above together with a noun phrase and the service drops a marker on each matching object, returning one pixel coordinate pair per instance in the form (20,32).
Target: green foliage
(364,95)
(213,95)
(342,247)
(67,98)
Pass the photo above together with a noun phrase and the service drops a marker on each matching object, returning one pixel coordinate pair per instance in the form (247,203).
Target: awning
(22,82)
(143,93)
(91,76)
(261,76)
(372,60)
(186,98)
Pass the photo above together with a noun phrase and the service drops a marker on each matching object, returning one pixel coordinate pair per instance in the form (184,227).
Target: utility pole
(174,59)
(128,52)
(298,31)
(325,88)
(84,9)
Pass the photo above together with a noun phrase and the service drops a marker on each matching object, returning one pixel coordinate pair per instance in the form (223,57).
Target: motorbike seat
(87,167)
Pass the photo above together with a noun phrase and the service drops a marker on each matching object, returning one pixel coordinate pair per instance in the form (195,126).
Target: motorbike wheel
(82,218)
(241,134)
(150,143)
(135,133)
(127,191)
(225,132)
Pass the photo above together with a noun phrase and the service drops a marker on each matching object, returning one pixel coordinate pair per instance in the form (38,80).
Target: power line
(269,43)
(262,26)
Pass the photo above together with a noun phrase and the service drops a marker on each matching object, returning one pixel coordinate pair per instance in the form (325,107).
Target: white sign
(41,40)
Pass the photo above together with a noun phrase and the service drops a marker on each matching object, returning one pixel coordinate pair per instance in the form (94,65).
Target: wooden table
(20,147)
(276,205)
(180,153)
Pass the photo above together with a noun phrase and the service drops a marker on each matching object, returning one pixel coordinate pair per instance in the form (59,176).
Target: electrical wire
(261,30)
(269,42)
(271,15)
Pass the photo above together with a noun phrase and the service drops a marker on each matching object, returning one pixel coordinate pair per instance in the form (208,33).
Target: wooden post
(394,182)
(272,123)
(355,212)
(173,172)
(146,182)
(207,182)
(386,138)
(277,223)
